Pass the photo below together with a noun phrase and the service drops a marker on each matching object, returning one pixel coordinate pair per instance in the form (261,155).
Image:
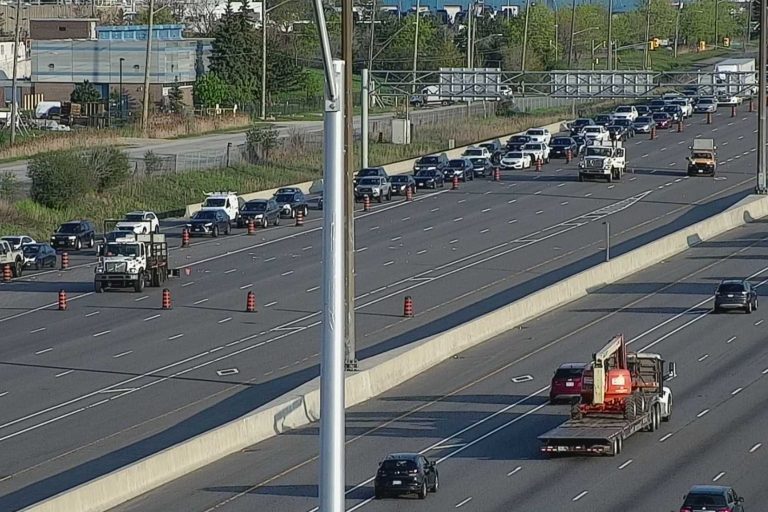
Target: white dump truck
(603,161)
(132,262)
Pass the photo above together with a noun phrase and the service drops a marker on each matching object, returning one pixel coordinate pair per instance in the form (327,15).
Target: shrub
(59,178)
(259,142)
(8,186)
(108,165)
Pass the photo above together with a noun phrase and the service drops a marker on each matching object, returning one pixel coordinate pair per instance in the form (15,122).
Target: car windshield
(30,249)
(369,181)
(284,198)
(597,151)
(134,217)
(121,249)
(255,207)
(215,202)
(701,155)
(13,240)
(513,155)
(456,163)
(398,465)
(114,235)
(641,120)
(623,110)
(731,288)
(429,160)
(582,122)
(532,146)
(592,129)
(602,117)
(657,103)
(706,101)
(428,174)
(705,500)
(368,172)
(660,115)
(473,152)
(479,161)
(205,215)
(565,373)
(561,141)
(622,122)
(399,179)
(70,227)
(535,132)
(519,138)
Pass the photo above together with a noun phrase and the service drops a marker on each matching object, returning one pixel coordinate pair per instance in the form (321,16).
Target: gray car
(643,124)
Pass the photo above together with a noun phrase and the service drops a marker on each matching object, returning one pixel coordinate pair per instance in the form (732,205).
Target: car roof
(568,366)
(709,489)
(402,456)
(256,201)
(733,281)
(138,212)
(81,221)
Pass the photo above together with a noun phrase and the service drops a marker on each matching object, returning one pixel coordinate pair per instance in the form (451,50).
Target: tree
(85,92)
(210,90)
(259,142)
(163,16)
(108,165)
(59,178)
(176,98)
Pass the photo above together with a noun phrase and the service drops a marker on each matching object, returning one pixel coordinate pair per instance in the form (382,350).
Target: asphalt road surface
(115,378)
(479,420)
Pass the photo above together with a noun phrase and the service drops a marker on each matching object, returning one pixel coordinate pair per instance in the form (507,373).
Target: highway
(471,416)
(116,378)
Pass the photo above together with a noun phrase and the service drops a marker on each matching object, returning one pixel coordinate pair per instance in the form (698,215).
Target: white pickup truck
(606,162)
(12,257)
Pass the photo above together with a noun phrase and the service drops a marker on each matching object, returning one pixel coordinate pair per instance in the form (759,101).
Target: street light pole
(747,23)
(525,36)
(264,18)
(762,97)
(14,92)
(717,9)
(610,35)
(677,26)
(120,92)
(416,45)
(573,32)
(607,240)
(646,55)
(145,106)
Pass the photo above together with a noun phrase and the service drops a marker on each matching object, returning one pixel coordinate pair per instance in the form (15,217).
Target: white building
(24,69)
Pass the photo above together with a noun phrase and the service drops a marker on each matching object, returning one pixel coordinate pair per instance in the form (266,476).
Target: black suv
(405,473)
(560,146)
(209,222)
(369,172)
(292,202)
(431,163)
(735,294)
(712,497)
(74,234)
(459,167)
(262,211)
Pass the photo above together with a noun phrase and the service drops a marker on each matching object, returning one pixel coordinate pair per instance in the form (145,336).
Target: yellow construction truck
(703,158)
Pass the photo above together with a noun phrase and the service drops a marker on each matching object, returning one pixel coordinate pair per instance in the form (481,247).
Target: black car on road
(429,179)
(74,235)
(431,163)
(711,498)
(617,132)
(515,142)
(481,166)
(402,182)
(559,146)
(262,211)
(405,473)
(38,256)
(292,202)
(735,294)
(459,167)
(209,222)
(578,125)
(603,119)
(369,172)
(628,124)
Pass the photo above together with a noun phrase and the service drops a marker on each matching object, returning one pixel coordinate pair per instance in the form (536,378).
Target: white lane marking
(200,301)
(93,313)
(457,219)
(273,258)
(580,495)
(485,210)
(121,354)
(270,304)
(64,373)
(588,195)
(453,241)
(464,502)
(611,186)
(512,201)
(433,210)
(626,464)
(682,142)
(731,339)
(516,470)
(430,228)
(664,438)
(703,357)
(395,239)
(188,284)
(564,203)
(230,271)
(3,394)
(227,371)
(422,251)
(224,320)
(759,322)
(151,318)
(374,228)
(448,446)
(287,273)
(561,185)
(314,288)
(645,155)
(537,192)
(702,413)
(306,248)
(539,212)
(736,391)
(390,262)
(141,298)
(245,286)
(361,249)
(461,201)
(718,476)
(765,371)
(41,329)
(102,333)
(404,219)
(511,221)
(175,336)
(484,231)
(755,447)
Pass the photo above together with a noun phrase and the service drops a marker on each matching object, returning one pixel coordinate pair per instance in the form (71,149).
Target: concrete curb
(401,167)
(383,372)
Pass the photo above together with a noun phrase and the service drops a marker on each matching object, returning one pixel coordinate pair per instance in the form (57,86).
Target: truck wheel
(155,278)
(669,411)
(91,242)
(277,221)
(380,198)
(615,448)
(228,229)
(610,178)
(215,231)
(138,287)
(97,287)
(749,308)
(78,244)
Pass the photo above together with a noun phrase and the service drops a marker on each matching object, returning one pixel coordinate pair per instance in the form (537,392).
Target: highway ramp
(115,379)
(479,414)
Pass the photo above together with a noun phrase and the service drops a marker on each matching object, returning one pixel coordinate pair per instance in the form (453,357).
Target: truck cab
(132,262)
(12,257)
(603,161)
(703,158)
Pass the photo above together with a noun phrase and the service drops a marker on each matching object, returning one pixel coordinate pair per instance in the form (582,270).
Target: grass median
(293,162)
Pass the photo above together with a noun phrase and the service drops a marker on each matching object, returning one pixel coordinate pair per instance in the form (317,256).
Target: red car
(566,383)
(662,120)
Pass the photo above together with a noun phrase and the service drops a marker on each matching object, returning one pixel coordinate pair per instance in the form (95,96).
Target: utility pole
(416,45)
(347,27)
(14,92)
(747,23)
(573,32)
(762,97)
(365,96)
(677,26)
(717,9)
(469,35)
(525,36)
(373,38)
(610,35)
(646,54)
(145,106)
(264,16)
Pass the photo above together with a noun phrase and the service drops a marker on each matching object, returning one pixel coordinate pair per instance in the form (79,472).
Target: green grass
(664,60)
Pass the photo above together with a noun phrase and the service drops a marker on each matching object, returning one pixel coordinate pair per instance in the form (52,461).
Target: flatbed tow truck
(623,393)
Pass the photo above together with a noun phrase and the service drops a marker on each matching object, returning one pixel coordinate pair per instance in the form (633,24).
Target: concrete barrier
(401,167)
(383,372)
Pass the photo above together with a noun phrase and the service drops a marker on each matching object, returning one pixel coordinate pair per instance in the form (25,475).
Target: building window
(62,29)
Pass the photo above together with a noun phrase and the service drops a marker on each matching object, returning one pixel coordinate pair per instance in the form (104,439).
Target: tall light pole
(573,32)
(14,92)
(762,97)
(145,106)
(677,26)
(646,55)
(747,23)
(416,45)
(525,36)
(373,38)
(264,21)
(717,9)
(469,34)
(120,92)
(610,35)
